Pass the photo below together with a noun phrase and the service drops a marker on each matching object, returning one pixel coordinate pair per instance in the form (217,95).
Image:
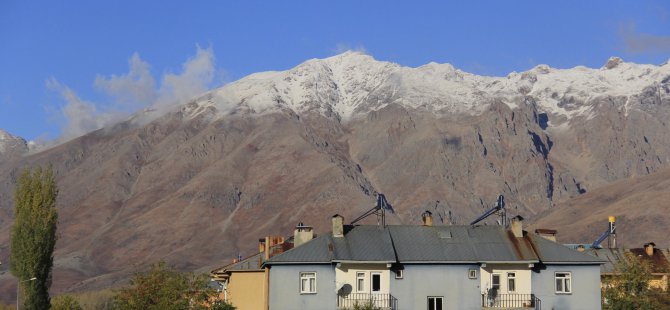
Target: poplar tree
(33,235)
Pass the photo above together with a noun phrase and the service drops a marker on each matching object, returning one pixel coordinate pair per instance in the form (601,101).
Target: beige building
(245,282)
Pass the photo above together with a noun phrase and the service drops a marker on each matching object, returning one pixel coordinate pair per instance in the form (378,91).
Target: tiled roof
(658,262)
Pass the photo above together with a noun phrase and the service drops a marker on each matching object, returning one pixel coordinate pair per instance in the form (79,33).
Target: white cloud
(131,92)
(195,78)
(345,47)
(636,42)
(79,117)
(137,88)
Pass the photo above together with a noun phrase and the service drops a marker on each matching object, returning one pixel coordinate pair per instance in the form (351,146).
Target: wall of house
(585,287)
(522,272)
(246,290)
(346,274)
(658,281)
(285,288)
(449,281)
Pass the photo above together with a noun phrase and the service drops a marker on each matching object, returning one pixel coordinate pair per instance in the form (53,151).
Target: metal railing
(379,301)
(511,301)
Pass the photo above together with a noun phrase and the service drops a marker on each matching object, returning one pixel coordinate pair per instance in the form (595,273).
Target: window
(307,282)
(360,281)
(376,282)
(472,274)
(511,281)
(563,285)
(398,274)
(495,281)
(434,303)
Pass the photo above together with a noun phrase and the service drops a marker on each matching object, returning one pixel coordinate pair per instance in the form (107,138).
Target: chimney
(427,218)
(549,234)
(338,226)
(649,248)
(302,234)
(517,226)
(261,245)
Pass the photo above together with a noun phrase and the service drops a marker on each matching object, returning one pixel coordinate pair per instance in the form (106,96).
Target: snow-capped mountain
(261,154)
(11,146)
(352,84)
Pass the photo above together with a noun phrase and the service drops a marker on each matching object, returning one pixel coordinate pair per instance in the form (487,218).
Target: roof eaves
(363,261)
(295,263)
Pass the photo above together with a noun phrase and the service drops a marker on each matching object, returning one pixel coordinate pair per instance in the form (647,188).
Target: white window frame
(309,276)
(360,282)
(372,282)
(436,298)
(472,273)
(565,278)
(511,278)
(493,275)
(399,274)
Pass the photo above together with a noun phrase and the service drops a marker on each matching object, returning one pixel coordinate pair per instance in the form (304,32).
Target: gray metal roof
(459,244)
(551,252)
(610,256)
(435,244)
(317,250)
(364,243)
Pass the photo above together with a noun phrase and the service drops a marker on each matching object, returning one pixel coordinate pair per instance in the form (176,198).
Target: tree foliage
(33,235)
(65,302)
(629,288)
(162,287)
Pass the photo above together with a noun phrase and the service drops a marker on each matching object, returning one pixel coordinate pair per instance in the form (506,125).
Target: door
(375,282)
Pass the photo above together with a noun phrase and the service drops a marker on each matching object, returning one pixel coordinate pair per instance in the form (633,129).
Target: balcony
(378,301)
(511,301)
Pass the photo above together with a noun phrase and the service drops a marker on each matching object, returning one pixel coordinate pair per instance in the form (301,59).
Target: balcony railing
(508,301)
(380,301)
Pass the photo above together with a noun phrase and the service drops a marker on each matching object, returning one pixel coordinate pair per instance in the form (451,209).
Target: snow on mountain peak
(352,84)
(9,142)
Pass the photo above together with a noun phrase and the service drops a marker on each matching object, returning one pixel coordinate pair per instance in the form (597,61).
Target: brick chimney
(427,218)
(649,248)
(517,226)
(338,226)
(302,234)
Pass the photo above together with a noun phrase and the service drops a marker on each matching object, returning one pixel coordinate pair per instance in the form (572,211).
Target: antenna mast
(379,210)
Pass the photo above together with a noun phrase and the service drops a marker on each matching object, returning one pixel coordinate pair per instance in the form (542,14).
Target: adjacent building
(656,259)
(433,267)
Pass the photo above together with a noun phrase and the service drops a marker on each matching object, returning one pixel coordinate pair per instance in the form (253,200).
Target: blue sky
(60,61)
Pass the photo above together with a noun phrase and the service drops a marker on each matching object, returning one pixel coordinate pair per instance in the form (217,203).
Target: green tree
(33,235)
(65,302)
(163,287)
(629,288)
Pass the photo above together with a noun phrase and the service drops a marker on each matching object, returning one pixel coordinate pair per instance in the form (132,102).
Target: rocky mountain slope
(640,206)
(200,184)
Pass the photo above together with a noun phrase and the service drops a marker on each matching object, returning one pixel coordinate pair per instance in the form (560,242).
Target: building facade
(433,267)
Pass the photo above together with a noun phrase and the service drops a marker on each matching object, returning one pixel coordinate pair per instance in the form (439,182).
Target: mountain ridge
(202,182)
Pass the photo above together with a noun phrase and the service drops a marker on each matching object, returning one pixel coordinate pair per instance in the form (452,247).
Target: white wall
(346,274)
(523,277)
